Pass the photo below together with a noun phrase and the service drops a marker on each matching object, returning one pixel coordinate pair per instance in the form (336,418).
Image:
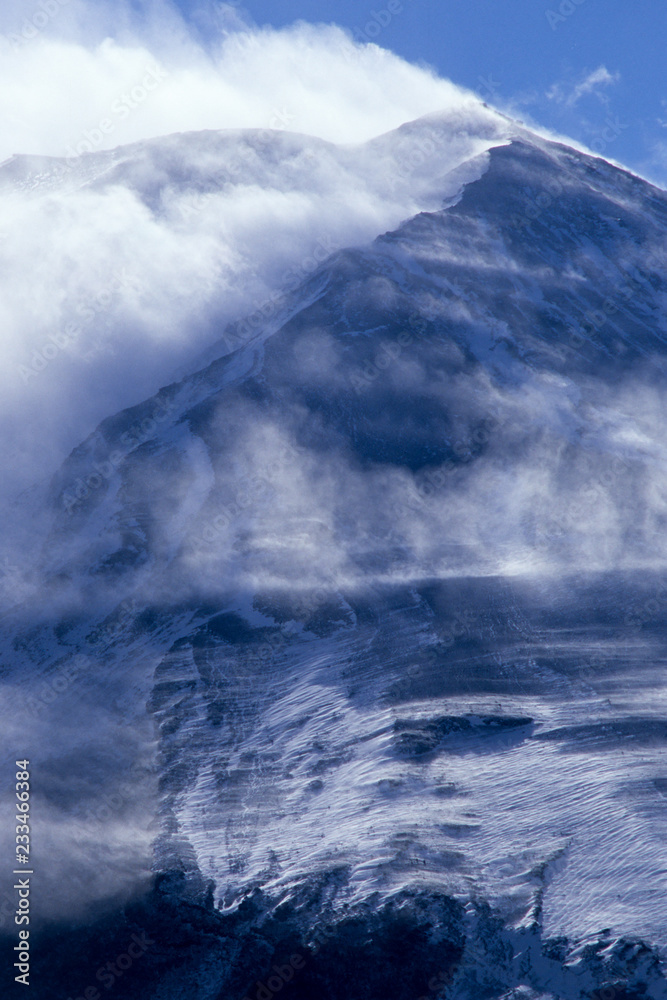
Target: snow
(334,669)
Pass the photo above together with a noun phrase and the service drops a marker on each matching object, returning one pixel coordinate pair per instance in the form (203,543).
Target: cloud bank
(58,86)
(590,84)
(122,264)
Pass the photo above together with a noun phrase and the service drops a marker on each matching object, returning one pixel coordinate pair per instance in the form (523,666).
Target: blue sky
(592,69)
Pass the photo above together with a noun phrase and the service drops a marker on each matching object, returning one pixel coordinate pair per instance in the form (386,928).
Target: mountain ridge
(371,608)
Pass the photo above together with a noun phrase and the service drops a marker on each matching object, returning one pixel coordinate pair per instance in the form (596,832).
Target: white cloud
(120,269)
(54,90)
(591,84)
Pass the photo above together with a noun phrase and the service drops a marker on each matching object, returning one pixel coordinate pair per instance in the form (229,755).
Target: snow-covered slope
(371,609)
(119,269)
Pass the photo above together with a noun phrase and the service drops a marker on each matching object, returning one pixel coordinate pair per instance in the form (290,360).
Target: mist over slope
(481,389)
(120,267)
(359,627)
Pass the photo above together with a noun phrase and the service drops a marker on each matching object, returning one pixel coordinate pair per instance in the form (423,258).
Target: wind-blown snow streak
(387,574)
(119,268)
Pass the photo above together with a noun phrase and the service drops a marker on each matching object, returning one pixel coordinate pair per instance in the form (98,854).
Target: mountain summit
(359,626)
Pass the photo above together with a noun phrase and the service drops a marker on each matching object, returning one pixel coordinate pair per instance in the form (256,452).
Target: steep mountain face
(119,268)
(361,625)
(489,377)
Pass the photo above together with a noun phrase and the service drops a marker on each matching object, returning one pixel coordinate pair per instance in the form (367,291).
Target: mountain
(119,269)
(359,626)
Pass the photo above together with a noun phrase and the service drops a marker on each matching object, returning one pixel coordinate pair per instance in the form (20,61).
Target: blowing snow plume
(123,263)
(352,631)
